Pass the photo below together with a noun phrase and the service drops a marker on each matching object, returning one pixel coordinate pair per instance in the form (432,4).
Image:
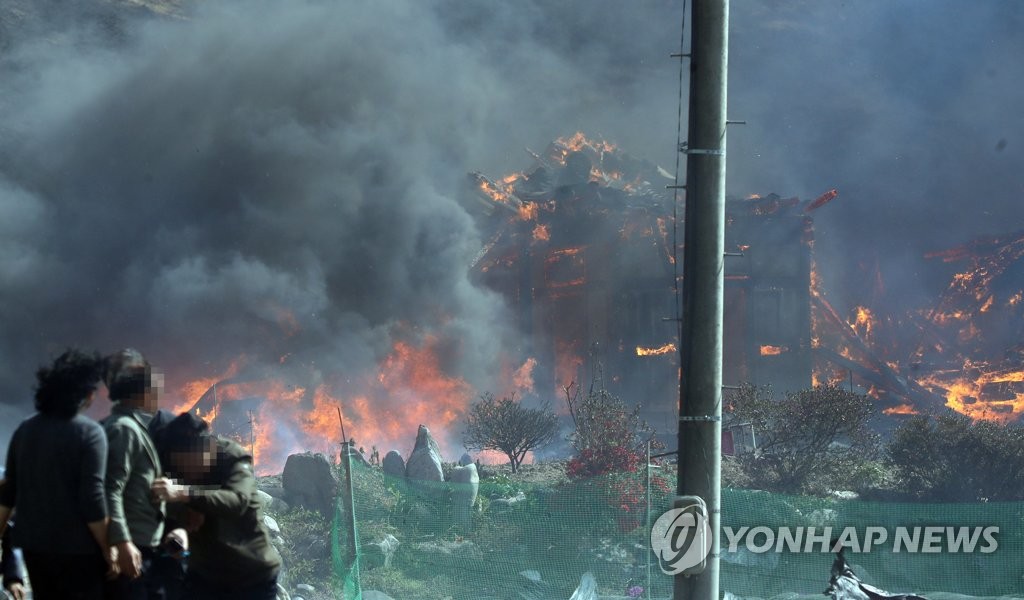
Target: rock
(375,595)
(309,482)
(508,502)
(465,485)
(421,514)
(274,490)
(587,589)
(466,459)
(265,499)
(464,549)
(305,587)
(425,462)
(358,458)
(380,553)
(823,517)
(394,464)
(271,525)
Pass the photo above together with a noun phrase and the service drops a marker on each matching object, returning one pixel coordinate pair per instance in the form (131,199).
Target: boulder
(466,459)
(271,525)
(357,456)
(463,549)
(265,499)
(505,503)
(425,461)
(394,464)
(309,482)
(380,553)
(465,485)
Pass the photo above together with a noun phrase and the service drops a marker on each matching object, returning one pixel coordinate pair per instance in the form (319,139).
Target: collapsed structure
(583,247)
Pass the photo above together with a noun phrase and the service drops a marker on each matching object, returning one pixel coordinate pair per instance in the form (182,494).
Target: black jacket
(232,547)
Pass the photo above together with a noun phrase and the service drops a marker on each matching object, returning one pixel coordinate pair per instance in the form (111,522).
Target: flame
(902,409)
(981,394)
(767,350)
(528,212)
(541,233)
(659,351)
(382,408)
(191,391)
(578,142)
(522,379)
(863,323)
(492,190)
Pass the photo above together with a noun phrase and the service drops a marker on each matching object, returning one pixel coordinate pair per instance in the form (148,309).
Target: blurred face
(195,463)
(151,398)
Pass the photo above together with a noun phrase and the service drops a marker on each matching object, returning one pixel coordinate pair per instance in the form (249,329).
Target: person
(214,492)
(55,467)
(12,568)
(133,464)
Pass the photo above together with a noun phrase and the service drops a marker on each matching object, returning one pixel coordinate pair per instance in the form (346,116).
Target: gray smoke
(274,179)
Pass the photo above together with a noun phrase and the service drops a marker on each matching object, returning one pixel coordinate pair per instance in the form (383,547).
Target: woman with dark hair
(55,468)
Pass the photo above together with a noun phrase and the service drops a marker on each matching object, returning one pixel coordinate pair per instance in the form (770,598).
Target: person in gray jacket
(133,464)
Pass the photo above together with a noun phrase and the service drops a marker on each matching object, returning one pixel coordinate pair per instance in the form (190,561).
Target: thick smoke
(274,179)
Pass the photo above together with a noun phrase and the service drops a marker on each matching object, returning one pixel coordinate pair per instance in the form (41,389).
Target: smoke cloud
(276,179)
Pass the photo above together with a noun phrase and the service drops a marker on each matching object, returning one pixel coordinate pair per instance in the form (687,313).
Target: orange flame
(659,351)
(767,350)
(863,323)
(990,396)
(902,409)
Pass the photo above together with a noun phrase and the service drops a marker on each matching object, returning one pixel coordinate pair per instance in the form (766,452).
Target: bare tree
(509,427)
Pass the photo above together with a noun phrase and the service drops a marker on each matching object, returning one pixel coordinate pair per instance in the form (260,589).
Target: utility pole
(700,386)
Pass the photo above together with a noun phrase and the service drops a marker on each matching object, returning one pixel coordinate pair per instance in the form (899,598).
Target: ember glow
(767,350)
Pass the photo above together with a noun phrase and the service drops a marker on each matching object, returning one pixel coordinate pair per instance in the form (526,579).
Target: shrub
(810,441)
(954,459)
(609,437)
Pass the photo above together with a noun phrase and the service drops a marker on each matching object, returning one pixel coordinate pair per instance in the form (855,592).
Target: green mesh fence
(563,530)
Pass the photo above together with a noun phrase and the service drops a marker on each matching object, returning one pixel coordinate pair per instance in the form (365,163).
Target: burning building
(584,248)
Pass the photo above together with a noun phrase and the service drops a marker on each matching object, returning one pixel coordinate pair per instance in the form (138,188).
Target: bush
(954,459)
(812,441)
(610,440)
(608,437)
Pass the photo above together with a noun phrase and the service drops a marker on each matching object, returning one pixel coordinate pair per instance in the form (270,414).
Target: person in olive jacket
(214,490)
(133,464)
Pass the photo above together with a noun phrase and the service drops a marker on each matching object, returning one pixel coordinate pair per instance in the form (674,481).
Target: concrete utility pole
(700,386)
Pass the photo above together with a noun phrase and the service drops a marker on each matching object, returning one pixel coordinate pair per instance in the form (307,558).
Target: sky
(267,178)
